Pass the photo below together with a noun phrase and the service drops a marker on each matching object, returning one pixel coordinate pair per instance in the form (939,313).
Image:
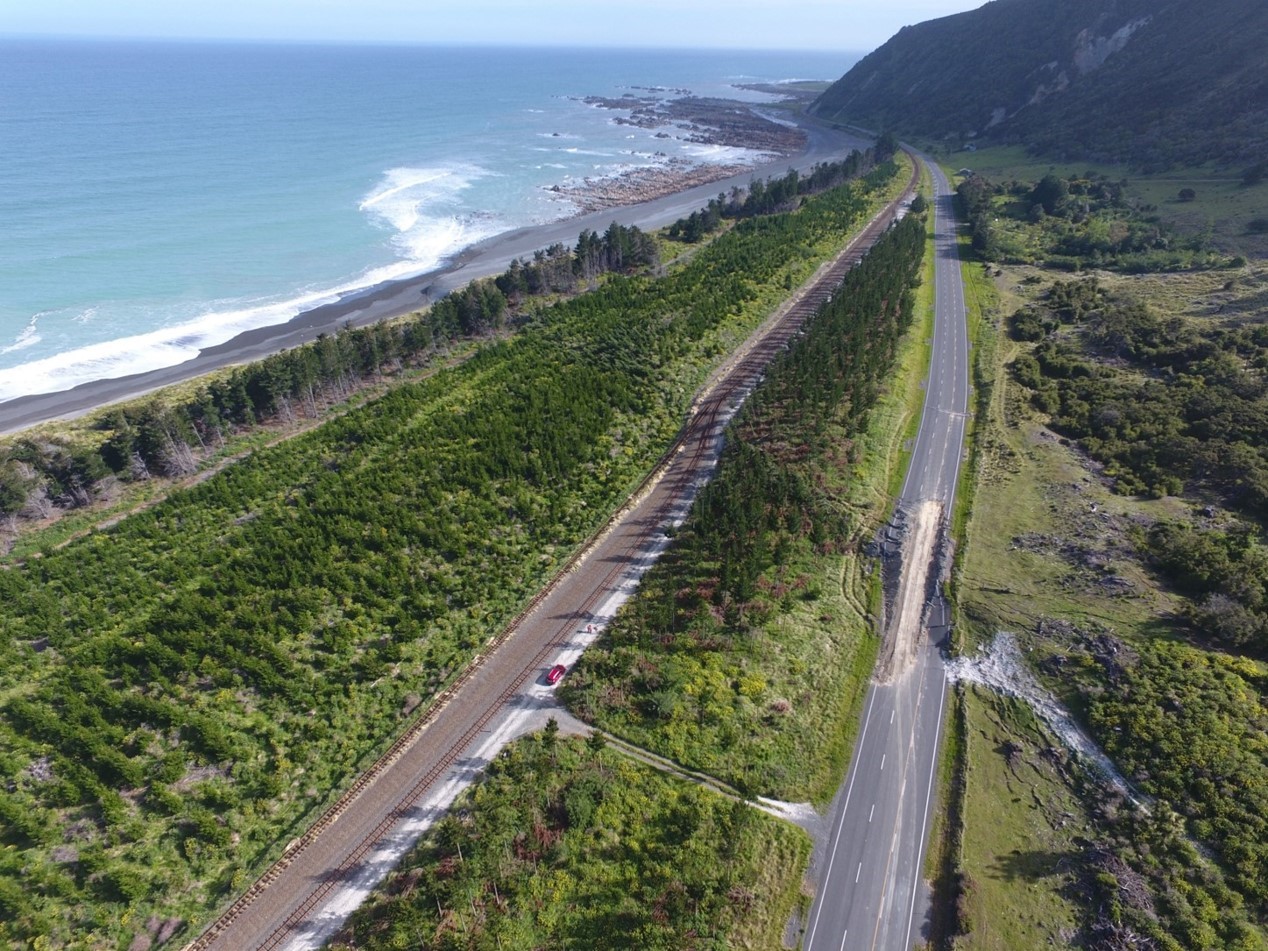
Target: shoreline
(406,295)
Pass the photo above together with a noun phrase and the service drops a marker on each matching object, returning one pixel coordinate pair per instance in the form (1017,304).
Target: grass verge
(893,423)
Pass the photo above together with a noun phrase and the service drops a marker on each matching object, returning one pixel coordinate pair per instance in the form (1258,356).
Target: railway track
(692,453)
(442,766)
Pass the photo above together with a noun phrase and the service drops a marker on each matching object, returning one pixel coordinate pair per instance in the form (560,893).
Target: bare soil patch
(916,563)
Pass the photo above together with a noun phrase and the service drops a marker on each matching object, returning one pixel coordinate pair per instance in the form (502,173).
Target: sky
(854,25)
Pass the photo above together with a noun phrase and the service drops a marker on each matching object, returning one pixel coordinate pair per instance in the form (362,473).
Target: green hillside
(1153,84)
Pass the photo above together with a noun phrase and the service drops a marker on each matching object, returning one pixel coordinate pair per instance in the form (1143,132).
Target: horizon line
(408,44)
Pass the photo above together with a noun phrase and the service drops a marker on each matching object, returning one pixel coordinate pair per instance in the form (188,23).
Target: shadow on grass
(1035,865)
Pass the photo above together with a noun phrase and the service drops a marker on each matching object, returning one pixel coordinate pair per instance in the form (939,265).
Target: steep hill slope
(1154,84)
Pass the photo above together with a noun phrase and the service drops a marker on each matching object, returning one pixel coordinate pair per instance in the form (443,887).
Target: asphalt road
(871,895)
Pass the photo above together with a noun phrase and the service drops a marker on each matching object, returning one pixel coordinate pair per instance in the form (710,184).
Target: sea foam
(110,359)
(725,154)
(28,336)
(341,193)
(431,241)
(413,202)
(405,201)
(401,196)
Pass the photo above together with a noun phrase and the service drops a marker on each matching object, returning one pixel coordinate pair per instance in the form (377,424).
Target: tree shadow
(1035,865)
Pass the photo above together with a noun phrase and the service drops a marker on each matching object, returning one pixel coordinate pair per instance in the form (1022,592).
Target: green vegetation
(1163,403)
(1119,589)
(740,656)
(1225,573)
(182,692)
(880,456)
(1187,724)
(1124,81)
(171,434)
(1074,223)
(1223,210)
(1169,407)
(565,844)
(775,195)
(1045,542)
(1056,859)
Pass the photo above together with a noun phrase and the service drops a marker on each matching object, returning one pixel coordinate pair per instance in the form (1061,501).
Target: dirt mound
(916,578)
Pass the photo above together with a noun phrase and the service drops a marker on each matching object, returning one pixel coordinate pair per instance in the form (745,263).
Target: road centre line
(827,876)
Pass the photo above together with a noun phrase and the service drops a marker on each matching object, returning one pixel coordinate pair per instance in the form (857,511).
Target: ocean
(158,198)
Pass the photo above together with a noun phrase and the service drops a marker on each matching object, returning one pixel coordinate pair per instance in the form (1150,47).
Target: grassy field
(1022,825)
(1040,516)
(1222,208)
(1048,540)
(1020,818)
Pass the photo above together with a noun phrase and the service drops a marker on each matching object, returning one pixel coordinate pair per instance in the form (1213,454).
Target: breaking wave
(419,206)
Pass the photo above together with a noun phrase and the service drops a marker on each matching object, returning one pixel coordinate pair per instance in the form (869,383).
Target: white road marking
(950,306)
(924,823)
(827,875)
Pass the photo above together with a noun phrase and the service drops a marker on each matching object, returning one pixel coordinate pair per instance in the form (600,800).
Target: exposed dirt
(916,562)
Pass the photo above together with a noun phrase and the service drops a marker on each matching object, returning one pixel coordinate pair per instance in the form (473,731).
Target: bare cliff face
(1123,80)
(1090,51)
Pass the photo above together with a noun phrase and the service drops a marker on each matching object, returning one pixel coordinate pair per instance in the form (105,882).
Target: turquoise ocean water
(159,198)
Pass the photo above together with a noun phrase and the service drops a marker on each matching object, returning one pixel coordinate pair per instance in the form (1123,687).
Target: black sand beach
(402,297)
